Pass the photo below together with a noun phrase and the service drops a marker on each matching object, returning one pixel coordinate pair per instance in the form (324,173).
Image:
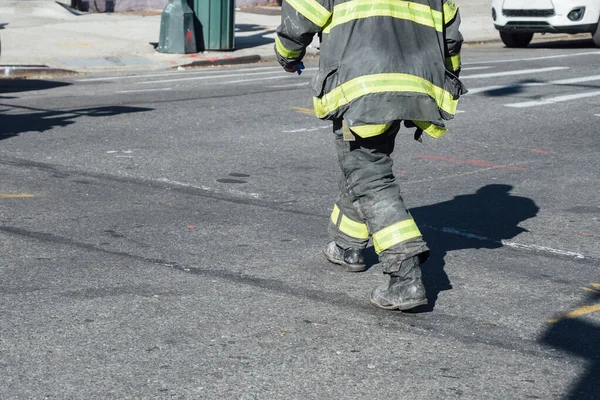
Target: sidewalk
(45,38)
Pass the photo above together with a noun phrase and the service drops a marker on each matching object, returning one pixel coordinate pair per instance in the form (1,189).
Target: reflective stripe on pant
(370,197)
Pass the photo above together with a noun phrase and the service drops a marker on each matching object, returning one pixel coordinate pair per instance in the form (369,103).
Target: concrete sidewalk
(45,38)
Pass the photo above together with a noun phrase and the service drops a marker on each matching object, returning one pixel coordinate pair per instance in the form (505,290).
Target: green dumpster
(216,18)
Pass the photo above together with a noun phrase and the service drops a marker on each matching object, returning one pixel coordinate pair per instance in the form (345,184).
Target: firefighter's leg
(348,231)
(375,194)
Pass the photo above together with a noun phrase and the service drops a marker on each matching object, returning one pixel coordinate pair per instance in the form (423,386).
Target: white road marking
(552,100)
(533,247)
(185,72)
(474,68)
(569,81)
(197,78)
(511,73)
(533,58)
(596,115)
(291,85)
(259,79)
(143,90)
(209,189)
(317,128)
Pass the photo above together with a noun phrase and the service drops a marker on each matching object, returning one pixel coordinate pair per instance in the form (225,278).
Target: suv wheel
(596,36)
(520,39)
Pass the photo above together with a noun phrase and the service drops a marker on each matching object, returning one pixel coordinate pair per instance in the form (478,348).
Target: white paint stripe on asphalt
(209,189)
(511,73)
(259,79)
(474,68)
(533,58)
(545,249)
(531,247)
(197,78)
(552,100)
(143,90)
(181,72)
(317,128)
(289,86)
(569,81)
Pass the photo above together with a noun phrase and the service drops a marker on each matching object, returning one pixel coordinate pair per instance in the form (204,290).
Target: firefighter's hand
(290,68)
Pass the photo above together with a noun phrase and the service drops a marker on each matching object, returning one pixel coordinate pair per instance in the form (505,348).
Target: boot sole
(401,307)
(349,267)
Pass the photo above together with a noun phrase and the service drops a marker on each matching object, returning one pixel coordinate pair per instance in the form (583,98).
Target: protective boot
(404,291)
(352,259)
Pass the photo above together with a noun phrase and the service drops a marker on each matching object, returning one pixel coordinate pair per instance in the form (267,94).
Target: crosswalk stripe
(511,73)
(552,100)
(587,53)
(569,81)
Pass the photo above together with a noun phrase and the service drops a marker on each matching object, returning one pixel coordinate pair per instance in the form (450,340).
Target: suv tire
(596,35)
(520,39)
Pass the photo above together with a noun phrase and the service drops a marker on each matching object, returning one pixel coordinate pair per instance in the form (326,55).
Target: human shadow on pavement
(471,221)
(582,339)
(36,120)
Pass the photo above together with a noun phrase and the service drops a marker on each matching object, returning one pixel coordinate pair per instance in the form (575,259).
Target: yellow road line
(584,309)
(307,111)
(15,196)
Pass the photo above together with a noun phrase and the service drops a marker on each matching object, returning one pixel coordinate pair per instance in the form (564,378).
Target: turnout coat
(380,60)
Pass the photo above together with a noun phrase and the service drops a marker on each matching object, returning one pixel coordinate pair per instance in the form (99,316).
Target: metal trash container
(216,19)
(177,29)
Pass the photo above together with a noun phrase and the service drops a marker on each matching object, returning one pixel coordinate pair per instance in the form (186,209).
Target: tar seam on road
(445,324)
(272,205)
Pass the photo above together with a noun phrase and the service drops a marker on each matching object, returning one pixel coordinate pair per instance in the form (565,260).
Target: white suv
(518,20)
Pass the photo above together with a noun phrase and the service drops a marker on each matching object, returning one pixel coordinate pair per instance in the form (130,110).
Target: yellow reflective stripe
(286,53)
(311,10)
(453,62)
(354,229)
(358,9)
(381,83)
(450,10)
(366,131)
(430,129)
(335,214)
(394,234)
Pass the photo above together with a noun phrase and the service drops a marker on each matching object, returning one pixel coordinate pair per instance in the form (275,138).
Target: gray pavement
(161,237)
(47,33)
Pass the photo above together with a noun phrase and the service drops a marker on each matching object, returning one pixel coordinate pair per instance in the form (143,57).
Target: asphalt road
(161,237)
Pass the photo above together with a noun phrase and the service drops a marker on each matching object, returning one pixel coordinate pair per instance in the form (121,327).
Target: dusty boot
(404,291)
(352,259)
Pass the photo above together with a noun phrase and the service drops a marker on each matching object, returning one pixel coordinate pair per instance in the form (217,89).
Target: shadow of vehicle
(471,221)
(567,43)
(27,85)
(37,120)
(582,339)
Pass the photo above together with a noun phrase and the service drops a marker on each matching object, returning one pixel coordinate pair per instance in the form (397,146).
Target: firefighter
(382,62)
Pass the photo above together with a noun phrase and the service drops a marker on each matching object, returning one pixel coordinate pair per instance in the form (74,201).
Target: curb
(255,58)
(33,71)
(250,59)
